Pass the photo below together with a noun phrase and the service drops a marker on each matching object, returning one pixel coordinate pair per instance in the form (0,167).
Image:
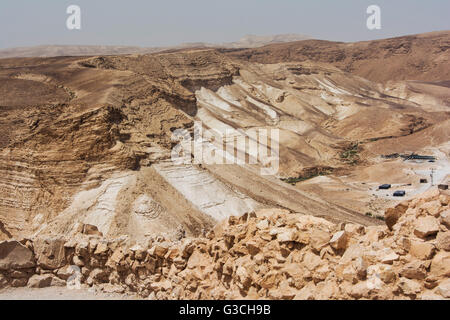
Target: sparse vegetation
(350,153)
(308,173)
(370,214)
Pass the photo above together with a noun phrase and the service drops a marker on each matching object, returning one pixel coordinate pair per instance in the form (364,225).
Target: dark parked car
(384,186)
(399,193)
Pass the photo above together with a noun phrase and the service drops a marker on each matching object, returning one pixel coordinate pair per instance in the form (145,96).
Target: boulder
(286,235)
(308,292)
(444,288)
(440,265)
(158,251)
(262,224)
(388,256)
(198,260)
(414,270)
(271,280)
(50,253)
(431,207)
(3,281)
(66,271)
(339,240)
(428,295)
(409,287)
(392,215)
(252,247)
(91,230)
(443,241)
(14,255)
(421,250)
(99,275)
(426,226)
(20,282)
(101,249)
(44,280)
(445,218)
(319,239)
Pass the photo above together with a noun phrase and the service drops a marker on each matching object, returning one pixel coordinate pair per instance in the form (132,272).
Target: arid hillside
(416,57)
(88,140)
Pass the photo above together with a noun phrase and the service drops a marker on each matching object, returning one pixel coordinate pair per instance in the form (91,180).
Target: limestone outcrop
(267,254)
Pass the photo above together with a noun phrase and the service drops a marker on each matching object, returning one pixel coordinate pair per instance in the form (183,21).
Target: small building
(443,186)
(399,193)
(384,186)
(423,181)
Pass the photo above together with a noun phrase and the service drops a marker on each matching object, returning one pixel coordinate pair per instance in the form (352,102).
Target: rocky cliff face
(264,254)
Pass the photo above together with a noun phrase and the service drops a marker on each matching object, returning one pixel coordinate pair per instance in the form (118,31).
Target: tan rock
(171,254)
(101,249)
(20,282)
(383,272)
(90,229)
(426,226)
(65,272)
(319,239)
(243,277)
(82,248)
(50,253)
(421,250)
(440,265)
(311,261)
(354,229)
(431,207)
(392,215)
(252,247)
(443,241)
(388,256)
(414,270)
(43,281)
(158,251)
(78,261)
(444,288)
(263,224)
(99,275)
(308,292)
(444,199)
(3,281)
(350,274)
(429,295)
(18,274)
(198,260)
(286,235)
(14,255)
(445,218)
(271,280)
(359,290)
(339,240)
(409,287)
(283,292)
(115,258)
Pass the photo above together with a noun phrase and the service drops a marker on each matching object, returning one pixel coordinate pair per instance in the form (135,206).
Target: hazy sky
(171,22)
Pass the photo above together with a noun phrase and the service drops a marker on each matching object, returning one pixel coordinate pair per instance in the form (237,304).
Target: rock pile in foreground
(270,254)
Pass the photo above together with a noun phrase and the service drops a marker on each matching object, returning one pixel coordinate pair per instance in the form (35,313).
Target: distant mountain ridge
(248,41)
